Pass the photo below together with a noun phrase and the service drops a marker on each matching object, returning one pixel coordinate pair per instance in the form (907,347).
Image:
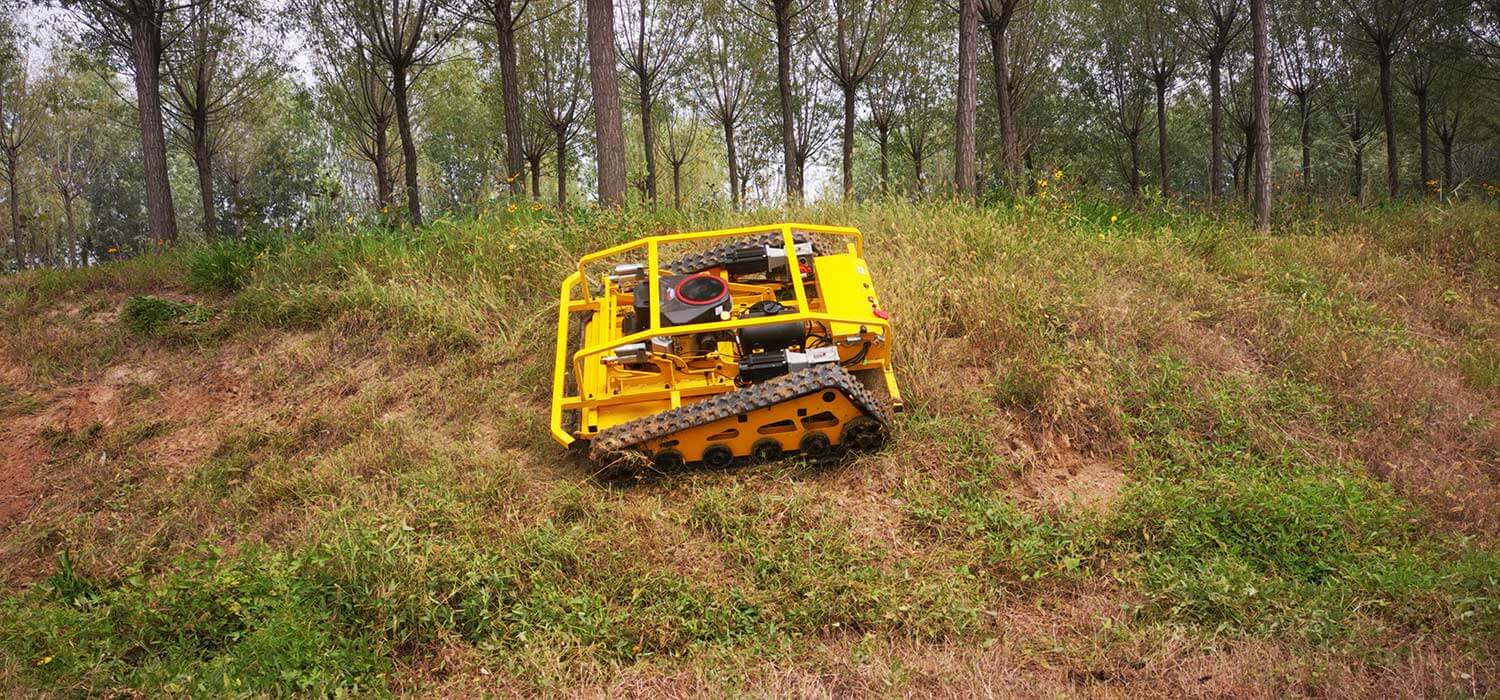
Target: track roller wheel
(864,433)
(718,456)
(669,461)
(815,446)
(766,450)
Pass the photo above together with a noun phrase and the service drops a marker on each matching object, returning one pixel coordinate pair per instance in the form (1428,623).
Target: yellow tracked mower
(721,345)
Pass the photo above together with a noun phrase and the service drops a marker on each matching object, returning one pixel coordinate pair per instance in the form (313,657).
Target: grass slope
(1147,453)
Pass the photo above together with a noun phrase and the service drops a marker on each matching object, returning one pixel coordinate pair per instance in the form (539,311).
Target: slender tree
(963,129)
(505,17)
(1214,26)
(885,89)
(133,30)
(997,17)
(20,117)
(727,89)
(356,84)
(1126,97)
(213,69)
(71,153)
(813,119)
(559,99)
(783,14)
(536,135)
(1447,122)
(1261,90)
(1435,47)
(1304,58)
(682,135)
(609,134)
(653,41)
(1163,53)
(1349,104)
(407,36)
(859,39)
(1381,26)
(919,115)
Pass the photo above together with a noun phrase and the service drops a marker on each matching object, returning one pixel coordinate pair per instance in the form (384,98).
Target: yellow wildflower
(349,220)
(112,250)
(1113,218)
(511,208)
(1041,183)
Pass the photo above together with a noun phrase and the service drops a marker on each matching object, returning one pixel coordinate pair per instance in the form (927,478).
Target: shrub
(150,315)
(226,266)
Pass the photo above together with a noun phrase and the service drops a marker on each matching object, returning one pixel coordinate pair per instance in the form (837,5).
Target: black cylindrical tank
(772,337)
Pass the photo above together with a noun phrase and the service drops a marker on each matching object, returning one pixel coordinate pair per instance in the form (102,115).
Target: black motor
(685,299)
(771,337)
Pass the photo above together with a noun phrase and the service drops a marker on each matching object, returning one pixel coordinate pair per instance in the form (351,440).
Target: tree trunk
(562,168)
(648,138)
(408,144)
(736,189)
(382,164)
(1261,106)
(609,132)
(1215,128)
(237,190)
(1009,139)
(1422,140)
(1357,187)
(677,185)
(145,57)
(1305,135)
(963,131)
(848,149)
(510,96)
(15,210)
(1242,179)
(1447,166)
(1135,164)
(788,105)
(536,177)
(74,254)
(883,135)
(916,165)
(203,162)
(1161,130)
(1388,111)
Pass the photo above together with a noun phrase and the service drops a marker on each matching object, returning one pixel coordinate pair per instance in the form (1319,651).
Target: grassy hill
(1147,453)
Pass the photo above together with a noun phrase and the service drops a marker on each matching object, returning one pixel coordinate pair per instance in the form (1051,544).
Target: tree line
(117,115)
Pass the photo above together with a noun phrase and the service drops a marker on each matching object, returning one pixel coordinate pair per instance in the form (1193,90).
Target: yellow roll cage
(569,302)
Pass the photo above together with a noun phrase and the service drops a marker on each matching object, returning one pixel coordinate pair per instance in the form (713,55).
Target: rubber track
(719,255)
(611,442)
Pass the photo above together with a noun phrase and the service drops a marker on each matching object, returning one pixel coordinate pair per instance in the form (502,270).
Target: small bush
(152,315)
(226,266)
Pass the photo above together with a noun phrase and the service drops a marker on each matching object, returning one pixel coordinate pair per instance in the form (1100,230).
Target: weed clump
(227,266)
(155,316)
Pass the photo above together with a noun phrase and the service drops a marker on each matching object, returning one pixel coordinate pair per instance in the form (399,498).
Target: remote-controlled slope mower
(712,346)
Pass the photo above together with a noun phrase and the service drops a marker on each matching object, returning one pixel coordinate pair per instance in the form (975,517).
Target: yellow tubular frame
(569,303)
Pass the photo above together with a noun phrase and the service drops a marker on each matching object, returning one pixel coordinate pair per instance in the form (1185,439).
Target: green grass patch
(155,316)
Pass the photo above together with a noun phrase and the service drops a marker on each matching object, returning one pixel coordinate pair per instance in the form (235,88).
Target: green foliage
(227,266)
(255,622)
(154,316)
(1248,549)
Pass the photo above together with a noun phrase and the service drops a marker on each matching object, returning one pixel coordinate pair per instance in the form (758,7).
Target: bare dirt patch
(1081,481)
